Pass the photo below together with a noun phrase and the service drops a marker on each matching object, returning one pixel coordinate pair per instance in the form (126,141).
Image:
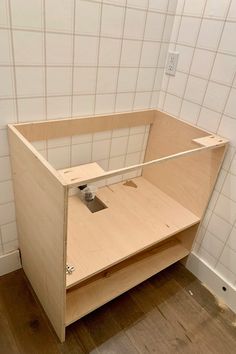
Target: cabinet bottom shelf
(95,292)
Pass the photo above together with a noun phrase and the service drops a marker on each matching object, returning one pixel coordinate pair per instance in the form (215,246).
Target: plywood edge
(82,300)
(98,177)
(44,130)
(41,213)
(82,172)
(37,155)
(211,140)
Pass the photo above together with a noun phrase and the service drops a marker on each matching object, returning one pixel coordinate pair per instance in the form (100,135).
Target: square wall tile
(154,26)
(119,146)
(161,5)
(202,63)
(212,245)
(132,159)
(232,10)
(150,53)
(105,135)
(59,15)
(195,89)
(81,154)
(7,213)
(28,48)
(224,69)
(210,33)
(189,112)
(177,84)
(4,13)
(229,187)
(9,232)
(101,150)
(59,157)
(116,162)
(83,105)
(112,21)
(58,107)
(107,80)
(216,96)
(134,23)
(82,139)
(30,81)
(185,57)
(5,45)
(230,108)
(226,209)
(227,43)
(124,102)
(146,79)
(135,143)
(53,143)
(131,51)
(127,79)
(6,192)
(87,17)
(59,81)
(209,120)
(228,259)
(4,148)
(27,14)
(30,109)
(219,227)
(194,8)
(227,129)
(172,104)
(6,82)
(189,30)
(231,240)
(216,8)
(86,51)
(10,246)
(105,103)
(142,100)
(84,80)
(8,112)
(59,49)
(109,53)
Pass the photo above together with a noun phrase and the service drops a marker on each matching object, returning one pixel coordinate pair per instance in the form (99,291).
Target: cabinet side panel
(190,179)
(41,220)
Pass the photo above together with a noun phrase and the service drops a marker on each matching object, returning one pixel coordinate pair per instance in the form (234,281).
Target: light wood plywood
(135,219)
(81,173)
(41,204)
(82,300)
(188,179)
(68,127)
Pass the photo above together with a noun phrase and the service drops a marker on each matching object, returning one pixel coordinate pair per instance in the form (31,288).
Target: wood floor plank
(158,316)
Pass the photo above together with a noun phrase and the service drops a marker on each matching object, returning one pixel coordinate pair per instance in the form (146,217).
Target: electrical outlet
(172,62)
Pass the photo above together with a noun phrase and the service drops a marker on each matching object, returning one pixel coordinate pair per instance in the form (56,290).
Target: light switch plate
(172,62)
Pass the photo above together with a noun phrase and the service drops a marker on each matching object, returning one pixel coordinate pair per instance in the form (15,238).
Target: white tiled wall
(62,58)
(203,92)
(110,149)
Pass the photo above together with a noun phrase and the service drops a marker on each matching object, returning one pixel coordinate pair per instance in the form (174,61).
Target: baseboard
(213,281)
(9,262)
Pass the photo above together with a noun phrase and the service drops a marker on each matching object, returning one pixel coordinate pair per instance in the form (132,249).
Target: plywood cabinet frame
(180,160)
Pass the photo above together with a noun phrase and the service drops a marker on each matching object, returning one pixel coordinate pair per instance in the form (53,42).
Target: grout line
(140,56)
(120,56)
(72,74)
(175,44)
(98,54)
(158,59)
(45,69)
(191,64)
(14,82)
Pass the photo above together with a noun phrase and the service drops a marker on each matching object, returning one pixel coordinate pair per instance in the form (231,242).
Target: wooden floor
(170,313)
